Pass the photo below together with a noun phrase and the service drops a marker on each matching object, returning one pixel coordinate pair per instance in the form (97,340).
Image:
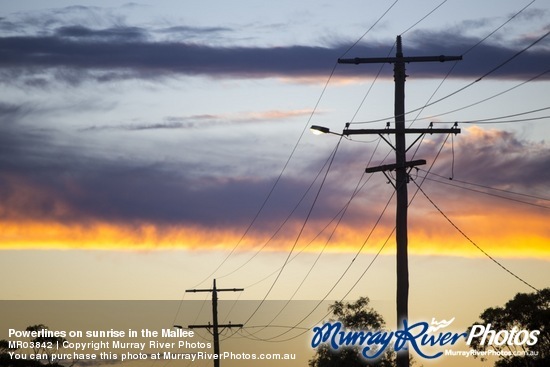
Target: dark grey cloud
(492,159)
(499,159)
(127,52)
(125,34)
(44,179)
(188,30)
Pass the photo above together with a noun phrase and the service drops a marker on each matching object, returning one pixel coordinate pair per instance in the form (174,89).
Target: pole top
(399,52)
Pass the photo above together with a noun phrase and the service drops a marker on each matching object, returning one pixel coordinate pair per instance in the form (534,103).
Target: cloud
(208,120)
(125,34)
(499,159)
(43,179)
(56,194)
(123,52)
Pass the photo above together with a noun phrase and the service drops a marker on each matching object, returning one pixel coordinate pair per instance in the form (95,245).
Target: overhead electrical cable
(364,272)
(379,73)
(293,151)
(340,217)
(305,128)
(341,276)
(370,29)
(499,27)
(424,17)
(489,187)
(487,193)
(494,69)
(285,220)
(277,180)
(472,242)
(480,122)
(488,98)
(334,218)
(298,236)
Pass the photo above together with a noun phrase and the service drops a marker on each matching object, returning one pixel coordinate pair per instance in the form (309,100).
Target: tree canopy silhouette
(526,311)
(358,316)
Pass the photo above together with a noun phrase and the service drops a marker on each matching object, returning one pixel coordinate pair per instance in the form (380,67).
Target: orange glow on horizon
(148,237)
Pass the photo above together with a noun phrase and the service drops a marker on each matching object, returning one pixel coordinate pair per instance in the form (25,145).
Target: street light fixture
(318,130)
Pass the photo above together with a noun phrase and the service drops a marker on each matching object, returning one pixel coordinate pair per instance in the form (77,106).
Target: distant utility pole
(401,166)
(215,327)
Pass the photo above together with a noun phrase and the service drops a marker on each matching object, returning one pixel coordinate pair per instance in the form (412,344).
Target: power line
(478,79)
(285,220)
(433,10)
(297,238)
(424,17)
(278,178)
(332,73)
(353,260)
(498,28)
(507,121)
(491,71)
(368,30)
(389,53)
(343,212)
(472,242)
(488,120)
(487,193)
(343,273)
(489,187)
(339,214)
(307,124)
(488,98)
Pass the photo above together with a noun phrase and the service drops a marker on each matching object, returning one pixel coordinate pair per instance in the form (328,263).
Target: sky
(149,147)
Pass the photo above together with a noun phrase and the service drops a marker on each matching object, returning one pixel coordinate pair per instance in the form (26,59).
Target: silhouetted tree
(356,316)
(525,312)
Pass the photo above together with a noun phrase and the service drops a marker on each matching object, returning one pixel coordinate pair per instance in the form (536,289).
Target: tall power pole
(401,166)
(215,327)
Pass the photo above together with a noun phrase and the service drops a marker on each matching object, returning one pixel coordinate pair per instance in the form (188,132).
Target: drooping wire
(341,214)
(508,121)
(472,242)
(490,71)
(488,120)
(298,236)
(340,217)
(368,30)
(498,28)
(424,17)
(488,193)
(478,79)
(368,267)
(284,221)
(279,177)
(337,217)
(488,98)
(490,188)
(262,207)
(360,250)
(332,73)
(337,281)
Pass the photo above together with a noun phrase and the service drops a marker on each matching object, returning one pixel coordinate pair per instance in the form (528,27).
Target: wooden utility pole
(401,166)
(215,327)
